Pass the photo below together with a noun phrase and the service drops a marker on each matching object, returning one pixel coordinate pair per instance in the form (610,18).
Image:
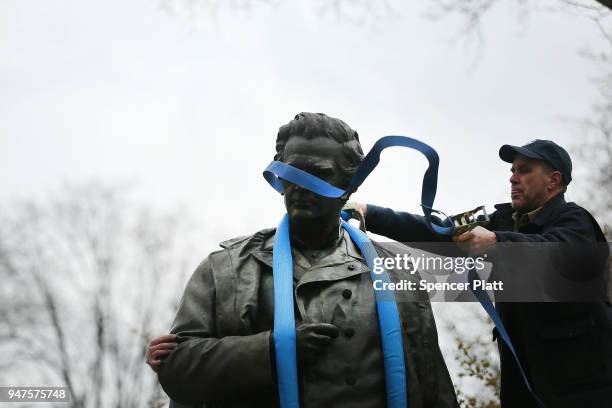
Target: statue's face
(320,157)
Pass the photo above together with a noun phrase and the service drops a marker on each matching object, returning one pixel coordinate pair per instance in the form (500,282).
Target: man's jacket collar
(542,216)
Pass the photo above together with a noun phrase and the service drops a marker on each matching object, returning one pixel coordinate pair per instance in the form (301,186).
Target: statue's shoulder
(252,241)
(233,251)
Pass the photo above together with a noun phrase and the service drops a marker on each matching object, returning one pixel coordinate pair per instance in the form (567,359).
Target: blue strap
(389,322)
(284,319)
(430,178)
(277,171)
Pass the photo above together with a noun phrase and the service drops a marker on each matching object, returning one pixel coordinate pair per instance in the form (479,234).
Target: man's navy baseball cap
(546,150)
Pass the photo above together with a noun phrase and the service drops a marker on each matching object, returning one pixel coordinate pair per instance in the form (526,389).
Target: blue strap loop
(284,321)
(277,171)
(430,178)
(389,322)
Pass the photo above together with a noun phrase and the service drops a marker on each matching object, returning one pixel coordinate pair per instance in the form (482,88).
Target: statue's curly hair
(311,125)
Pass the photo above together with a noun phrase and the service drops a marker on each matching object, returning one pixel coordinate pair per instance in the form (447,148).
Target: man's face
(529,184)
(319,157)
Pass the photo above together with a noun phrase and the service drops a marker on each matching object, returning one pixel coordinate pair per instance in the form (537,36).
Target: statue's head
(325,147)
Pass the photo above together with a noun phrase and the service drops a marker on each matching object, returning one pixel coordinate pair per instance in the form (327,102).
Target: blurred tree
(358,12)
(89,278)
(595,131)
(479,371)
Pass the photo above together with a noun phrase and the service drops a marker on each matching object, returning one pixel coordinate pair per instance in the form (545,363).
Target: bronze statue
(224,354)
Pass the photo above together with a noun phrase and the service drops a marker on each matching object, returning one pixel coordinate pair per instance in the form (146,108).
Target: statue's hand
(158,349)
(313,338)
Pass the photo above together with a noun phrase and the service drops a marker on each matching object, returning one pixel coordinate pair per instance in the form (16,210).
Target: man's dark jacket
(565,348)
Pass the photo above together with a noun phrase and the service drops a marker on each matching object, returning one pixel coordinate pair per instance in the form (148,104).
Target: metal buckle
(469,220)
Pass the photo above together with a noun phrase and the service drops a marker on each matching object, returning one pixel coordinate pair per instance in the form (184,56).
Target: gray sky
(187,107)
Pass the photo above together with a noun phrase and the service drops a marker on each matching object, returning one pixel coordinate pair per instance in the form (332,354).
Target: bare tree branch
(88,265)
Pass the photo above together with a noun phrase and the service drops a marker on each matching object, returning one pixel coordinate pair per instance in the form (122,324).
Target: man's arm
(573,225)
(400,226)
(204,368)
(574,242)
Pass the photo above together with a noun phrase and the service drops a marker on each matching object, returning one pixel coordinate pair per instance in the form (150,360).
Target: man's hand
(159,348)
(476,241)
(354,207)
(313,338)
(358,212)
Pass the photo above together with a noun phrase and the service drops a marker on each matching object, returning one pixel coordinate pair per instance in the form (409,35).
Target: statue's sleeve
(206,368)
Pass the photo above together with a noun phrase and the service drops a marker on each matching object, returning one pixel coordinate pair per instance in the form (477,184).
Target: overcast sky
(187,107)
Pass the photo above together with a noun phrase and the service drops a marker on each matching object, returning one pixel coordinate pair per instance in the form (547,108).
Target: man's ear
(555,180)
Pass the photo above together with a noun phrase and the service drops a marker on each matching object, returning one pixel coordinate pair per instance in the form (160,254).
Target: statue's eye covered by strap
(278,171)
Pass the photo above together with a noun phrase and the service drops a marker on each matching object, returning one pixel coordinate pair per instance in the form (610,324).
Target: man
(224,350)
(565,348)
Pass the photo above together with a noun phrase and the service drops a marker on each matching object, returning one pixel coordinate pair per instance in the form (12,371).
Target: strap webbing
(389,322)
(284,321)
(279,170)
